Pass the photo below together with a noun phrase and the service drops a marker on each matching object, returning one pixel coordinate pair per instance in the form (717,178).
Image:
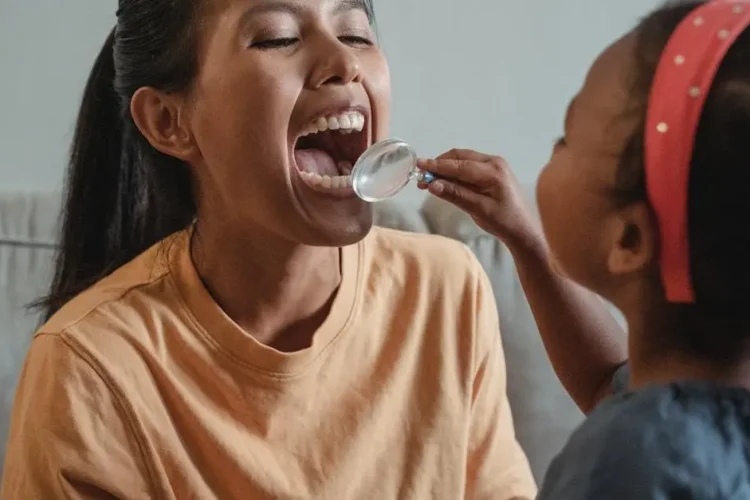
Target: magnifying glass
(385,169)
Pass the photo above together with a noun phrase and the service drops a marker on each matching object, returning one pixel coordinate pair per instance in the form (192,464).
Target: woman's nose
(337,64)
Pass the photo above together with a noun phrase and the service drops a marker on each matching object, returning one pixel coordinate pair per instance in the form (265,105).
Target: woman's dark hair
(122,195)
(717,325)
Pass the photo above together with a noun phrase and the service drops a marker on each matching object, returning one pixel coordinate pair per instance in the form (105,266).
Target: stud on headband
(683,79)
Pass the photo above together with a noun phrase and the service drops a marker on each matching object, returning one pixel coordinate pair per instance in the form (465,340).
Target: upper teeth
(347,122)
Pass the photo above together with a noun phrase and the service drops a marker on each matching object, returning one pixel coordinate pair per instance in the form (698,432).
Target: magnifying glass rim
(375,148)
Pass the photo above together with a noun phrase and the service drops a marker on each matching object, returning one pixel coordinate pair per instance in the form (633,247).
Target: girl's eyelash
(560,142)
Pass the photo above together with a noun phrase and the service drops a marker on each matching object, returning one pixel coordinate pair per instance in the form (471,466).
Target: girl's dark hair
(122,195)
(717,325)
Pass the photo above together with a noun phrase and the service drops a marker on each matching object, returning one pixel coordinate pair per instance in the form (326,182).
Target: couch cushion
(27,227)
(29,218)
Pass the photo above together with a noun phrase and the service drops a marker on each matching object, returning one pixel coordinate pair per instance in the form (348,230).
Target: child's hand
(566,314)
(485,188)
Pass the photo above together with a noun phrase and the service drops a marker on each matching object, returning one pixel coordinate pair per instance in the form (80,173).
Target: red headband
(683,78)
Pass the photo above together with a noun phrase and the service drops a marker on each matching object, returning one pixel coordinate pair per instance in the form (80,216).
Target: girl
(645,201)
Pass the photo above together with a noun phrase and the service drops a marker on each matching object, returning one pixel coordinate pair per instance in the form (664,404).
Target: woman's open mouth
(327,151)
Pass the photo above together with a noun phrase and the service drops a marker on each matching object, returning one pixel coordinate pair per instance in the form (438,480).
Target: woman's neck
(278,291)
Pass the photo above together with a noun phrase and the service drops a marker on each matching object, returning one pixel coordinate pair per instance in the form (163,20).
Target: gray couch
(543,412)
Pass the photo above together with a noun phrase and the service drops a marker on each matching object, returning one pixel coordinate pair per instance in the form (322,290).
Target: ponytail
(121,195)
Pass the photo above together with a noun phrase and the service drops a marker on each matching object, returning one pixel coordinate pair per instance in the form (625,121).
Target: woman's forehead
(291,6)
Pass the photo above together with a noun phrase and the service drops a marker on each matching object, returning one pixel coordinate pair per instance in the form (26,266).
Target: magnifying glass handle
(426,177)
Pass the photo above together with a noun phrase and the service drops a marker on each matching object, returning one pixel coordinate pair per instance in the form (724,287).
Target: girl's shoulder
(691,438)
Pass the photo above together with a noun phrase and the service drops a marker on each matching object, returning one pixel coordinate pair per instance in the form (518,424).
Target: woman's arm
(584,343)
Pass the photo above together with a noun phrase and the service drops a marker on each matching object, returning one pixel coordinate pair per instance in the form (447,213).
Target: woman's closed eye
(356,40)
(284,42)
(275,43)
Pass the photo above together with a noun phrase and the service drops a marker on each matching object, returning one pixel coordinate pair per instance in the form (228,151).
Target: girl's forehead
(609,81)
(601,112)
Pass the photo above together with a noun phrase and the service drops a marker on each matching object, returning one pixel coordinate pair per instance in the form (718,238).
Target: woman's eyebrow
(348,5)
(285,6)
(295,8)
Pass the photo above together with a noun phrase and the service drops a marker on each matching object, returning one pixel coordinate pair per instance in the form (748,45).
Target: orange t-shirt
(142,387)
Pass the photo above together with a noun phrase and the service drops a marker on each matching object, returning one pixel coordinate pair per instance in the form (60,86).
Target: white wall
(47,48)
(494,75)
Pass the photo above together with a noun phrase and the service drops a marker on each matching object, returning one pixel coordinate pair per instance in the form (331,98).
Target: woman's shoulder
(126,296)
(690,437)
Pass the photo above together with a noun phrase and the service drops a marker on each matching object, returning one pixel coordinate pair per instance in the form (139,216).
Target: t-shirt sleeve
(497,467)
(69,436)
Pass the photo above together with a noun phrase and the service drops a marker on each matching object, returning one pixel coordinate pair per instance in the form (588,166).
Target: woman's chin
(341,231)
(329,216)
(336,225)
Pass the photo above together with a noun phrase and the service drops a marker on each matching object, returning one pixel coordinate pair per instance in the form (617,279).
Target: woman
(224,321)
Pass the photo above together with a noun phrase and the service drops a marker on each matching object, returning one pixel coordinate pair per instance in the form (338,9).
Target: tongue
(316,161)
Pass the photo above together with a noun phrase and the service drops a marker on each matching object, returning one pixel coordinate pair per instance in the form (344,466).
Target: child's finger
(466,154)
(461,196)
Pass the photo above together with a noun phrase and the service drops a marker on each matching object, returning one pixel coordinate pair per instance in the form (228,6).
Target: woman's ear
(160,118)
(636,240)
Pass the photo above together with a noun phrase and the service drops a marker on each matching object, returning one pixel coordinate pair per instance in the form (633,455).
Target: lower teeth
(326,181)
